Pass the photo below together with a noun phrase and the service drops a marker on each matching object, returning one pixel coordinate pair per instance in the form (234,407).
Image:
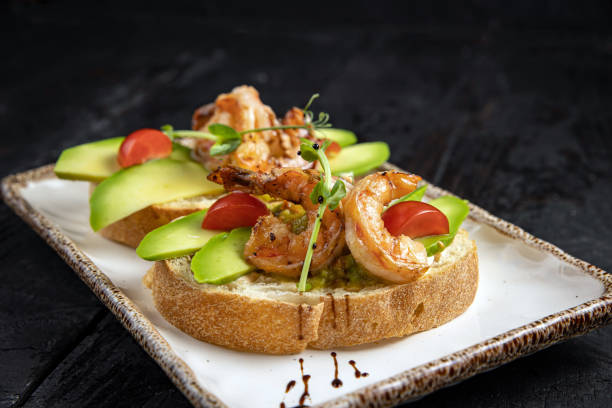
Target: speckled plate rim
(410,384)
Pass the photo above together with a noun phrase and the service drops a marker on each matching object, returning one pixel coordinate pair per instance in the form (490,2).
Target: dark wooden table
(512,113)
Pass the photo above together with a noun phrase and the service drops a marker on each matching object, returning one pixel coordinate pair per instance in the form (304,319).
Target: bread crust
(232,320)
(428,302)
(247,323)
(132,229)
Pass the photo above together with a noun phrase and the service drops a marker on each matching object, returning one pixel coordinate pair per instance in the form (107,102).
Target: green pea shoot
(227,139)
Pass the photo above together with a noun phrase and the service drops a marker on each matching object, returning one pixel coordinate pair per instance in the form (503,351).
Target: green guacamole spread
(293,215)
(344,273)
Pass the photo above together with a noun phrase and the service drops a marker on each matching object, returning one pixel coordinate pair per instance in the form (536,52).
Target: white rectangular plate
(530,295)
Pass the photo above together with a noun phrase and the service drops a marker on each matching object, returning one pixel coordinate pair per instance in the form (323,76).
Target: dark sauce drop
(336,383)
(305,394)
(289,386)
(305,378)
(358,373)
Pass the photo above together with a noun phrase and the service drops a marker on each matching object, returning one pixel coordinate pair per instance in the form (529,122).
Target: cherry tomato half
(415,219)
(143,145)
(333,149)
(235,210)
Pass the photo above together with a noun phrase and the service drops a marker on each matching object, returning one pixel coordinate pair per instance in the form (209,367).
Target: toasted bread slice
(132,229)
(259,313)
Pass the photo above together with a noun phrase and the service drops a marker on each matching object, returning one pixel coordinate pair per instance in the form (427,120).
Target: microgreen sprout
(169,131)
(326,193)
(227,139)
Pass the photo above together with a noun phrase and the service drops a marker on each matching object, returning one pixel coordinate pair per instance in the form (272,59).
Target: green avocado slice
(137,187)
(97,161)
(183,236)
(341,136)
(359,158)
(221,260)
(90,161)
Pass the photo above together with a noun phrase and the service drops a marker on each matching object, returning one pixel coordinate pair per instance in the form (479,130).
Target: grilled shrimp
(242,109)
(397,259)
(273,247)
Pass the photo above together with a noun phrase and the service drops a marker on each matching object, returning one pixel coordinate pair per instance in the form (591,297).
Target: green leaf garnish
(308,152)
(168,130)
(338,192)
(223,132)
(318,191)
(228,139)
(416,195)
(225,147)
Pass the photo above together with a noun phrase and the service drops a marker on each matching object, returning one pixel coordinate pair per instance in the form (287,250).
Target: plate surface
(530,295)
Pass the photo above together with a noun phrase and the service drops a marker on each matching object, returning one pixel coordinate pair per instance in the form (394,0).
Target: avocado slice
(90,161)
(182,236)
(359,158)
(341,136)
(97,161)
(137,187)
(221,260)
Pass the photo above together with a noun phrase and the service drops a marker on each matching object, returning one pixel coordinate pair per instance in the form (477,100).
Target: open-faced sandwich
(150,177)
(306,255)
(282,240)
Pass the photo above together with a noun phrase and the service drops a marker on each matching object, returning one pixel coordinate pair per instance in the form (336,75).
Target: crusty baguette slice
(132,229)
(258,313)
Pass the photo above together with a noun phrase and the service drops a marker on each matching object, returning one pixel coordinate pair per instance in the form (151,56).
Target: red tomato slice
(235,210)
(333,149)
(143,145)
(415,219)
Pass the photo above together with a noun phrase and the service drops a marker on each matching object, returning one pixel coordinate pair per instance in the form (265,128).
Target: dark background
(509,106)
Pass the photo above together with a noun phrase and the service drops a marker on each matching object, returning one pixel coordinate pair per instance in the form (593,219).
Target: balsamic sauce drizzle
(288,388)
(333,308)
(346,301)
(300,335)
(305,379)
(290,385)
(336,383)
(305,394)
(358,373)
